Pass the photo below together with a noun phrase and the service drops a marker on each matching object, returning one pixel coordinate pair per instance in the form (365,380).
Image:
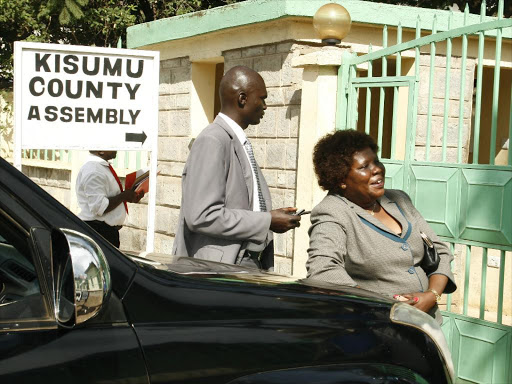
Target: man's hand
(138,196)
(283,219)
(132,196)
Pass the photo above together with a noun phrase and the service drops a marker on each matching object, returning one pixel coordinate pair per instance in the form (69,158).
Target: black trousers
(262,260)
(108,232)
(251,260)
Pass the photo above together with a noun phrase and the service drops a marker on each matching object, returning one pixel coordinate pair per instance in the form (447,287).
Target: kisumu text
(95,80)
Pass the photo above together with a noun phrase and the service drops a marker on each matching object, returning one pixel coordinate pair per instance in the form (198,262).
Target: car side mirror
(81,277)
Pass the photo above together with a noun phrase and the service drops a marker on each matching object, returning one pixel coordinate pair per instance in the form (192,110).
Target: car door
(34,347)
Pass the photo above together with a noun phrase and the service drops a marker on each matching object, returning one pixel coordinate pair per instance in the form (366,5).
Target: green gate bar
(501,287)
(382,92)
(430,90)
(342,110)
(464,54)
(398,72)
(466,280)
(478,102)
(127,159)
(510,131)
(446,89)
(414,120)
(483,283)
(353,100)
(496,88)
(368,96)
(449,298)
(138,160)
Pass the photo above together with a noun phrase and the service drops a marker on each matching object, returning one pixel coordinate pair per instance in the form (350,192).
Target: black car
(74,309)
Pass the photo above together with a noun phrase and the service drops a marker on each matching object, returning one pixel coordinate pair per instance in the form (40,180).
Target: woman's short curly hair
(332,156)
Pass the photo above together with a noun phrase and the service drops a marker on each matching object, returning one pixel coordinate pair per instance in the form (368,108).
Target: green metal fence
(60,156)
(124,159)
(440,109)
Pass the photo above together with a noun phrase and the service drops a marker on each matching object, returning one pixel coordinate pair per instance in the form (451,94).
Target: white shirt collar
(97,159)
(239,132)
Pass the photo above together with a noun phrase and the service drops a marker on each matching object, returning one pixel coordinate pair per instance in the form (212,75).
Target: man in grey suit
(226,211)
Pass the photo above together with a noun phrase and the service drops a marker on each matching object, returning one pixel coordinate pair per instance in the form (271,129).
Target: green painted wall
(259,11)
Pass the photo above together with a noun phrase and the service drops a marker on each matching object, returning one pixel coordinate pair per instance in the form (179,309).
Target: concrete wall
(55,181)
(274,139)
(438,108)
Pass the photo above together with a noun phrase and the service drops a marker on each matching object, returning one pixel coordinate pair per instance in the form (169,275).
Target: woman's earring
(343,186)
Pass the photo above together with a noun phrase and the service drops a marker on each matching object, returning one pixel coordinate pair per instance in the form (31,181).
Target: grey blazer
(349,246)
(216,219)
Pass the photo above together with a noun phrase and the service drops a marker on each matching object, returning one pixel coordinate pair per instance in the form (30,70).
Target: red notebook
(138,181)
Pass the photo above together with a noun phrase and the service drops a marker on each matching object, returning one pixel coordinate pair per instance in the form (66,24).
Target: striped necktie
(118,183)
(248,148)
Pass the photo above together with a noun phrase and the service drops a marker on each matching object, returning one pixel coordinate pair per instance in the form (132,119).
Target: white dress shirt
(94,185)
(242,137)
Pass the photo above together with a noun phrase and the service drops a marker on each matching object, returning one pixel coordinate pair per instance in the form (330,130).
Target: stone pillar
(317,117)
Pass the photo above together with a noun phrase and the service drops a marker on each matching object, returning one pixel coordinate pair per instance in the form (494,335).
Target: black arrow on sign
(140,137)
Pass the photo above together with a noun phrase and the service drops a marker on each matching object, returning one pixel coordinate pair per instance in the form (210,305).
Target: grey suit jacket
(216,219)
(349,246)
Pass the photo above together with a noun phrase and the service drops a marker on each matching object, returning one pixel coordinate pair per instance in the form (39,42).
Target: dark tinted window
(20,293)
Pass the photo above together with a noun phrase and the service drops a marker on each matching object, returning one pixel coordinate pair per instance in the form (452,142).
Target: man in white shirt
(100,195)
(226,211)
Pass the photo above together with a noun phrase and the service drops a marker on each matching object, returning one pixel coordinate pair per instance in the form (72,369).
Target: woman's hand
(424,301)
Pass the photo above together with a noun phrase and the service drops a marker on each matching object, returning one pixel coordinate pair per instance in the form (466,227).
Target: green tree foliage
(67,10)
(157,9)
(18,21)
(81,22)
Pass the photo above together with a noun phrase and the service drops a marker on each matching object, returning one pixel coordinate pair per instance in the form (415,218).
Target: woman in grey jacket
(365,236)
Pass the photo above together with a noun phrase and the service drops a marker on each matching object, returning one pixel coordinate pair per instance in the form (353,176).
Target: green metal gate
(443,122)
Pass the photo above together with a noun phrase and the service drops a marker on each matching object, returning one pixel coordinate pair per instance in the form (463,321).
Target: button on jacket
(349,246)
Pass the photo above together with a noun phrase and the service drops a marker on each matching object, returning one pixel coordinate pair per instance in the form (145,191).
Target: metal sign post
(87,98)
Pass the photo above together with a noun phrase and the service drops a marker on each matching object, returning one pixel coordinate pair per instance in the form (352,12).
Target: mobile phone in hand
(301,212)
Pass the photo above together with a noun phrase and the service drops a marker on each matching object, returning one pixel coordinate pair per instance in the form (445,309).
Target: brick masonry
(438,118)
(174,138)
(275,139)
(275,142)
(54,181)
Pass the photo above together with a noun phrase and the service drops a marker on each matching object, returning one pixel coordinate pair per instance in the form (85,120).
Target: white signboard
(89,98)
(76,97)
